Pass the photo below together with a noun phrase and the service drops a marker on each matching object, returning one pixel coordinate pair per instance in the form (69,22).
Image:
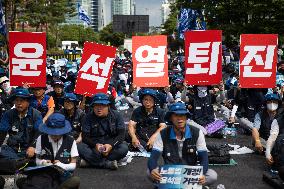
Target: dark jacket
(22,132)
(106,130)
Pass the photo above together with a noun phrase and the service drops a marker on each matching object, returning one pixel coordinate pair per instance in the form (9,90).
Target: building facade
(123,7)
(165,10)
(95,14)
(101,11)
(104,14)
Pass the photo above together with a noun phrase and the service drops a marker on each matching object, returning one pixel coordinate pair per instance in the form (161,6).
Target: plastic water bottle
(234,132)
(142,149)
(273,173)
(102,149)
(225,129)
(178,97)
(220,186)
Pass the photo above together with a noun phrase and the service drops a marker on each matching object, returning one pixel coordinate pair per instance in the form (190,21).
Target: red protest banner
(95,69)
(258,59)
(27,58)
(150,61)
(203,57)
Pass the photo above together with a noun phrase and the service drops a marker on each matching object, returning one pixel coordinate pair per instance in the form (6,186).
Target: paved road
(246,175)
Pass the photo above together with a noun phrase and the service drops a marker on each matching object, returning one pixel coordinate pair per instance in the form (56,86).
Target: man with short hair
(103,135)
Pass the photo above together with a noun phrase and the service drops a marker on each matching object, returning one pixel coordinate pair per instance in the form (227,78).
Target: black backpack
(219,154)
(278,151)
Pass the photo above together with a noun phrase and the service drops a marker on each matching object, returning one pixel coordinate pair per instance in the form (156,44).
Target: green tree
(235,17)
(39,14)
(107,35)
(170,25)
(77,33)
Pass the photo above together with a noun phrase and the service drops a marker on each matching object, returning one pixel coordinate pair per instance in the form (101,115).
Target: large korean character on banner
(27,58)
(95,69)
(203,57)
(150,62)
(258,59)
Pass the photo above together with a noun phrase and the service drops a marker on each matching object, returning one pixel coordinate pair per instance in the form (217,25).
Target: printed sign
(180,176)
(258,59)
(27,58)
(95,69)
(150,61)
(203,57)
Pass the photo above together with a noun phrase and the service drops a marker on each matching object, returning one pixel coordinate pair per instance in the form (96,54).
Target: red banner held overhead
(258,59)
(203,57)
(27,58)
(95,69)
(150,61)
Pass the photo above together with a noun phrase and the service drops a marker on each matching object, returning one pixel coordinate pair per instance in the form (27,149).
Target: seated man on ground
(21,123)
(146,121)
(179,144)
(103,134)
(263,120)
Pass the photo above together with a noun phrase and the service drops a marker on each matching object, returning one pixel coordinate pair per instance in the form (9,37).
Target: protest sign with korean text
(95,69)
(27,58)
(180,176)
(150,62)
(258,59)
(203,57)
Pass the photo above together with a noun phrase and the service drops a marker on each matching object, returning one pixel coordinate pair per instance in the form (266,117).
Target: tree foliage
(235,17)
(38,12)
(77,33)
(108,36)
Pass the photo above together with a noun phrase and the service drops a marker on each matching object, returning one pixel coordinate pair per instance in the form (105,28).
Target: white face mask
(6,86)
(272,106)
(202,91)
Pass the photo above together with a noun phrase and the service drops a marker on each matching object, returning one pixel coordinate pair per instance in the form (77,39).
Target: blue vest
(264,130)
(21,132)
(170,148)
(43,108)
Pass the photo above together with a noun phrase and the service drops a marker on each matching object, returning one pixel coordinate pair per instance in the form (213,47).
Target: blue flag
(3,29)
(83,15)
(183,22)
(190,20)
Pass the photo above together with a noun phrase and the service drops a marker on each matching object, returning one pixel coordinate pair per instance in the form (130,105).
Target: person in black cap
(22,125)
(57,94)
(146,121)
(103,135)
(74,115)
(180,143)
(55,147)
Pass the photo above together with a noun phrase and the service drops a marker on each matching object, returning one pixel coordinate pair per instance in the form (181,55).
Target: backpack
(219,154)
(38,180)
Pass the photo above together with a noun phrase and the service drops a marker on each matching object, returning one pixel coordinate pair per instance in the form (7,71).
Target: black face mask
(281,71)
